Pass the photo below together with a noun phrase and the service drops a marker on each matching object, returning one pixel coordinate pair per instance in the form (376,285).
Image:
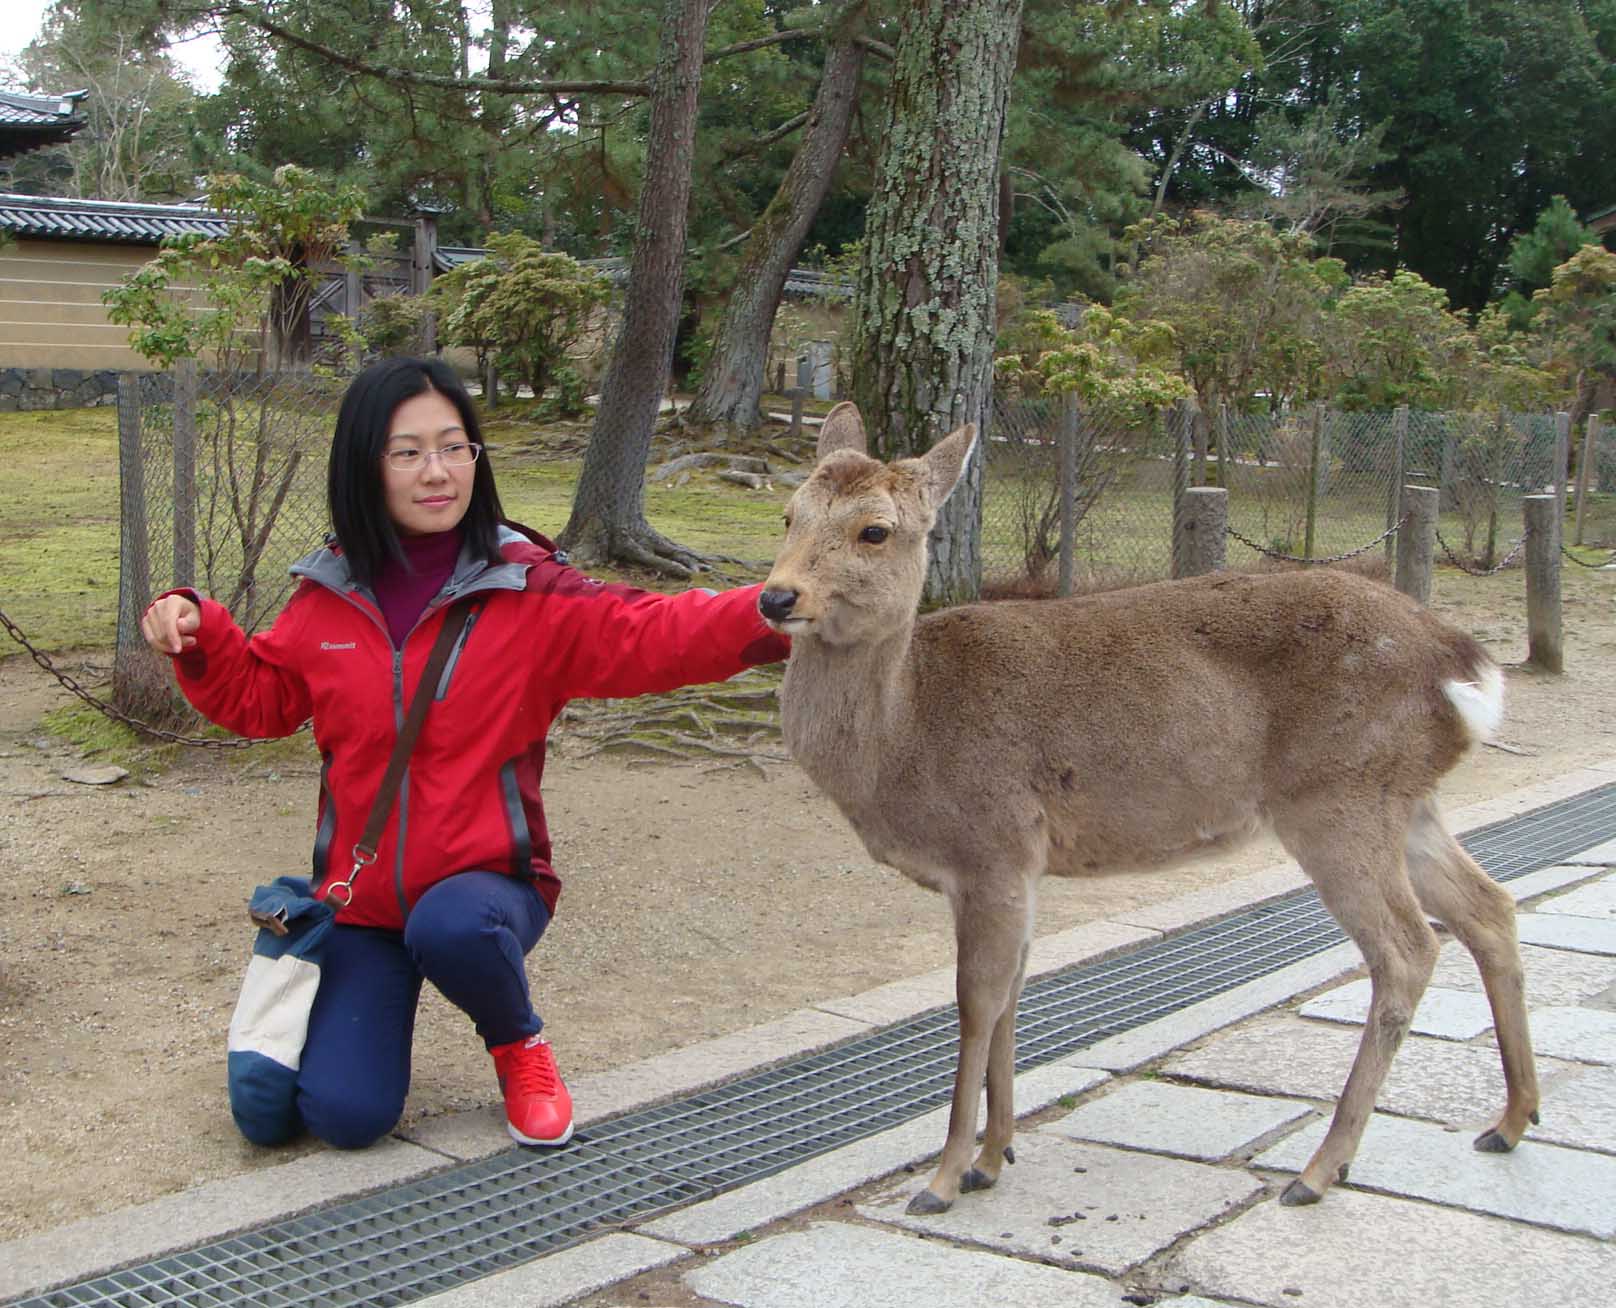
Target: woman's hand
(170,624)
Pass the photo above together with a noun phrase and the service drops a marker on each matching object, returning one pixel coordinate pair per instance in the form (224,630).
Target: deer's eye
(874,535)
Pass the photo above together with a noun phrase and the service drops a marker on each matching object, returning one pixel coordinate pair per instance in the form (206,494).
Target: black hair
(354,493)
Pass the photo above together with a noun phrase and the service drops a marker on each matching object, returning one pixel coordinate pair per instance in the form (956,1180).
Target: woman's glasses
(410,458)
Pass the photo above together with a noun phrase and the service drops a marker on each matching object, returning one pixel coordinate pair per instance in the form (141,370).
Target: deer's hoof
(1297,1195)
(1493,1142)
(925,1204)
(977,1179)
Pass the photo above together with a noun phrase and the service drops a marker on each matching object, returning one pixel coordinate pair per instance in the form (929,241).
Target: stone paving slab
(840,1265)
(1580,1110)
(1459,1085)
(1144,1044)
(206,1212)
(1442,1013)
(559,1278)
(1093,1207)
(1584,935)
(1178,1119)
(1604,852)
(1357,1250)
(1584,1035)
(1549,879)
(1597,900)
(750,1206)
(1553,976)
(1546,1185)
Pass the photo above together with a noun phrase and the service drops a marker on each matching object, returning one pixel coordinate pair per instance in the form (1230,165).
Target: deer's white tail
(1480,702)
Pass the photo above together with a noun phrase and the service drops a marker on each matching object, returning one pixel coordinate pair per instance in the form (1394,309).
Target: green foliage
(1122,367)
(1576,323)
(1394,341)
(1244,303)
(1554,238)
(1083,73)
(522,307)
(392,325)
(239,299)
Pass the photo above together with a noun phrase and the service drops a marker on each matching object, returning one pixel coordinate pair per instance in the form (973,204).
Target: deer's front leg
(991,932)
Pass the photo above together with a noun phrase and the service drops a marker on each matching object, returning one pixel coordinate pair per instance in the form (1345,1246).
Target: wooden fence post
(1562,455)
(1399,473)
(130,671)
(1071,417)
(1203,531)
(1416,542)
(185,394)
(1221,440)
(1590,456)
(1545,643)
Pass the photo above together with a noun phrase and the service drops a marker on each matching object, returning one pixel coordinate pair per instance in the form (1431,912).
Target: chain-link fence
(222,487)
(1078,499)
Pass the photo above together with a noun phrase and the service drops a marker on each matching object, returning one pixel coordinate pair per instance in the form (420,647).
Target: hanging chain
(1334,558)
(101,706)
(1483,572)
(1581,564)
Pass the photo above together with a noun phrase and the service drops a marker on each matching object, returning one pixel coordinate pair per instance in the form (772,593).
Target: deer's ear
(945,463)
(842,429)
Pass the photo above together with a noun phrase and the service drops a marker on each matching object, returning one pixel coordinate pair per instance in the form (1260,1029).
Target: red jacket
(539,633)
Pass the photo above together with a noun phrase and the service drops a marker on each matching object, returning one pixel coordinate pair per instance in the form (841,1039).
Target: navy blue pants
(468,936)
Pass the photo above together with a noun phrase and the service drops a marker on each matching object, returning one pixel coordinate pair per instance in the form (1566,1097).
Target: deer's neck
(842,706)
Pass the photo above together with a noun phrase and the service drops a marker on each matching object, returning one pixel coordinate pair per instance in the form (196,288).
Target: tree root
(730,726)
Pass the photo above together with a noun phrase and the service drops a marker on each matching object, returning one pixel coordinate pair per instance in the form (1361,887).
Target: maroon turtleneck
(404,592)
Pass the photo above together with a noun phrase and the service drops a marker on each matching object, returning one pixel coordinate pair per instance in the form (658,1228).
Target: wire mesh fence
(222,487)
(1081,499)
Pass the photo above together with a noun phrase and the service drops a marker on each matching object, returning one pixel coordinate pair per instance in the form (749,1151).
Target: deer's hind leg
(1481,914)
(1353,853)
(992,925)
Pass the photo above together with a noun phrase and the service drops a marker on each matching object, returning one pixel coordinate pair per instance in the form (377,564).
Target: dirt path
(696,904)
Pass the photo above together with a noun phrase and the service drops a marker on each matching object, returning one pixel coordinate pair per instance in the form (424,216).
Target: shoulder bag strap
(364,853)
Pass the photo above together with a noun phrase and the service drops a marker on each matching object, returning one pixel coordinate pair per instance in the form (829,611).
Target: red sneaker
(538,1109)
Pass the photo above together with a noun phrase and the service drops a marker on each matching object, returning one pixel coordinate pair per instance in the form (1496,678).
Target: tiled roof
(39,110)
(28,122)
(49,218)
(801,283)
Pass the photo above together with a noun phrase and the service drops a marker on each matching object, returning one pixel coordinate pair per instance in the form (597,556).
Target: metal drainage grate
(477,1218)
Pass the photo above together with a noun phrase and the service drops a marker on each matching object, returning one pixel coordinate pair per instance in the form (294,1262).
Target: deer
(979,747)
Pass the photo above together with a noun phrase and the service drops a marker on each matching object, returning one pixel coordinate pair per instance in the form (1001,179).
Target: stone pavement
(1147,1166)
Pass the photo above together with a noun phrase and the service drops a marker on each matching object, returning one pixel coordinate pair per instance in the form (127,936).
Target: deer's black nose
(776,605)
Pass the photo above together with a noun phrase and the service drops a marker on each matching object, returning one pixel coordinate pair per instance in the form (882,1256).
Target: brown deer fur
(977,748)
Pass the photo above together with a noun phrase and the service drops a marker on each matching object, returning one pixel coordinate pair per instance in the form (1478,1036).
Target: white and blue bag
(271,1020)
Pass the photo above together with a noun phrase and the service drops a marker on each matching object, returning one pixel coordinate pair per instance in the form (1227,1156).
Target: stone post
(1416,542)
(1203,528)
(1545,642)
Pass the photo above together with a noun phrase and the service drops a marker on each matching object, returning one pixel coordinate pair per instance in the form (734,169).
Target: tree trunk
(923,328)
(608,509)
(732,383)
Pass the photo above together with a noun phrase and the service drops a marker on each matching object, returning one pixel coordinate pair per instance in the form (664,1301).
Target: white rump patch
(1480,702)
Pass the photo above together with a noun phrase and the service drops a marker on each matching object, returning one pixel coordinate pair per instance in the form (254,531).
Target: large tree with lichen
(922,348)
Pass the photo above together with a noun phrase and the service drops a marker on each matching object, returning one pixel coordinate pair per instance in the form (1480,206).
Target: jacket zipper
(403,801)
